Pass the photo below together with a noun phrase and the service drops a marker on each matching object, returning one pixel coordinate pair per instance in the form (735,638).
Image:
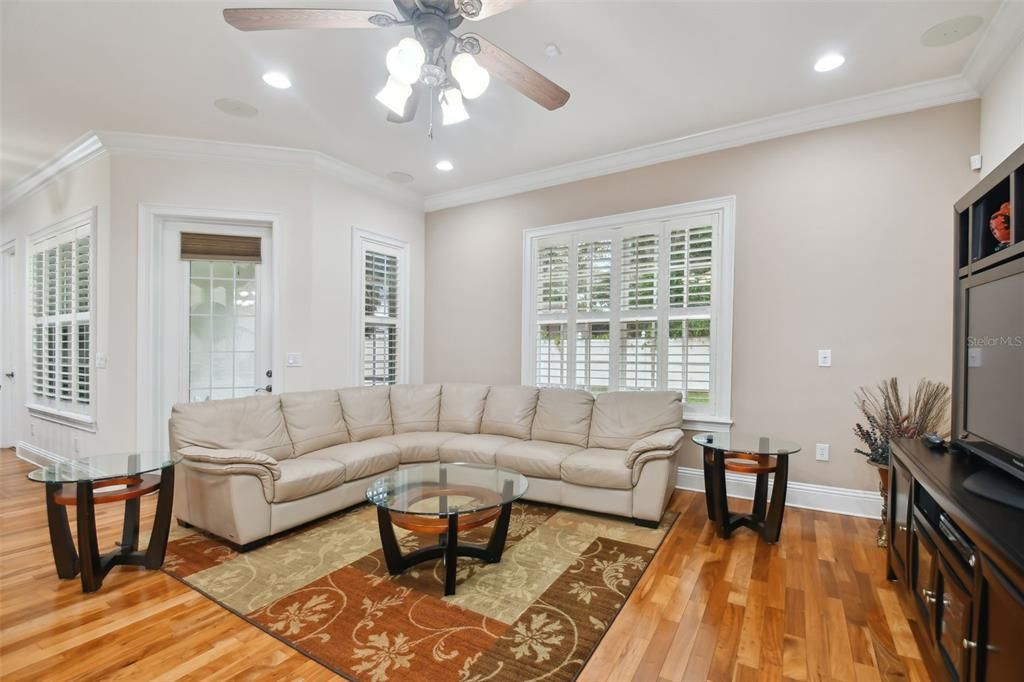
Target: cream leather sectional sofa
(256,466)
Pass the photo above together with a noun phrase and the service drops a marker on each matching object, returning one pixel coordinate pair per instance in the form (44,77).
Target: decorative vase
(999,224)
(882,537)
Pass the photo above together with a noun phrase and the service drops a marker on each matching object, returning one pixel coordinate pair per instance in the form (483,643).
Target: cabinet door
(900,483)
(953,616)
(922,575)
(999,651)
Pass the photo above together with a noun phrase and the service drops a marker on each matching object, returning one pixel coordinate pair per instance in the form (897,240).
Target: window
(652,306)
(381,309)
(61,327)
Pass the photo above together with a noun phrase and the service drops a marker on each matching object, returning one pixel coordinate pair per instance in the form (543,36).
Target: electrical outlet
(75,444)
(101,360)
(821,452)
(824,358)
(31,429)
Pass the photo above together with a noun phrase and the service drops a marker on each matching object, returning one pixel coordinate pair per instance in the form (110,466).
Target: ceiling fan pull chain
(430,127)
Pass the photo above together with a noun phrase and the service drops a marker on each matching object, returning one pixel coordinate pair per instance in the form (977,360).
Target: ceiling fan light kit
(458,67)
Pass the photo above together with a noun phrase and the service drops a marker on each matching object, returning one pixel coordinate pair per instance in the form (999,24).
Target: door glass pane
(222,330)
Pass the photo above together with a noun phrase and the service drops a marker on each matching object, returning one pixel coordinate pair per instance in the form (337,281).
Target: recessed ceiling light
(951,31)
(276,79)
(400,177)
(236,107)
(444,165)
(828,62)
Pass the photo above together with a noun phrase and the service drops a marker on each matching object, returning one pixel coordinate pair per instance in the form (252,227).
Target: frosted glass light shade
(473,79)
(452,109)
(405,61)
(394,95)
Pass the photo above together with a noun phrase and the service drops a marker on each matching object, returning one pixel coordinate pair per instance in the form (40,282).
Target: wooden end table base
(448,546)
(91,564)
(764,520)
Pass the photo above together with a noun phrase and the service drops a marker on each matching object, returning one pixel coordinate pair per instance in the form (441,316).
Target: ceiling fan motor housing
(432,30)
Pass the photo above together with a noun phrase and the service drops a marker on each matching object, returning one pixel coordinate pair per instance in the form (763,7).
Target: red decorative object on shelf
(999,223)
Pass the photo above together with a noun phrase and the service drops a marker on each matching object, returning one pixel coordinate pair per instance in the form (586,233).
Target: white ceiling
(639,73)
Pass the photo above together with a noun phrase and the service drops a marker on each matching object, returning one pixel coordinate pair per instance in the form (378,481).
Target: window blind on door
(381,317)
(229,247)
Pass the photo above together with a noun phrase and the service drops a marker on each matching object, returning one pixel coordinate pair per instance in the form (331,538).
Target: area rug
(325,591)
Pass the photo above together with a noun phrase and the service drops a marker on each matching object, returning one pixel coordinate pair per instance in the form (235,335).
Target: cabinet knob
(928,595)
(968,644)
(972,561)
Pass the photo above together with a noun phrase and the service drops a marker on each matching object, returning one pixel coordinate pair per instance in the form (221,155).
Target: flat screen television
(993,400)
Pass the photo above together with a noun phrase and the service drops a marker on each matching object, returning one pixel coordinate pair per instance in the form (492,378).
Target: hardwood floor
(816,606)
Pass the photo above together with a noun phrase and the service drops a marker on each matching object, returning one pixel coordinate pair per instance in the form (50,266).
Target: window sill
(74,420)
(707,423)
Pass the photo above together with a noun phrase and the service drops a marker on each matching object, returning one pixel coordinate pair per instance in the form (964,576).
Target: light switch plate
(101,360)
(293,359)
(821,452)
(824,358)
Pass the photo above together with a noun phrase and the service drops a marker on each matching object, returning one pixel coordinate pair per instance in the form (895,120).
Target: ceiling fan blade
(491,7)
(274,19)
(411,105)
(502,65)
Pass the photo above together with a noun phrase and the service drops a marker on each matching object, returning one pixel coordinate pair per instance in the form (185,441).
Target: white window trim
(719,415)
(84,420)
(361,240)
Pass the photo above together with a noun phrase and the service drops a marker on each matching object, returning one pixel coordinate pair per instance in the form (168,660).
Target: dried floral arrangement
(887,417)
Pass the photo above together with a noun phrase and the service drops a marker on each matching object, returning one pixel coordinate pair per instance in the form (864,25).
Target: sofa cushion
(367,411)
(476,448)
(563,416)
(305,476)
(361,459)
(314,420)
(251,423)
(598,468)
(419,446)
(537,458)
(509,411)
(624,417)
(462,407)
(415,408)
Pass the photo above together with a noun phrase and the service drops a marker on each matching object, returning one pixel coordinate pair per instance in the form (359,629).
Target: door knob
(9,375)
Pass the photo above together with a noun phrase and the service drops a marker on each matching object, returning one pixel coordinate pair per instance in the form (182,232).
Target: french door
(217,311)
(8,344)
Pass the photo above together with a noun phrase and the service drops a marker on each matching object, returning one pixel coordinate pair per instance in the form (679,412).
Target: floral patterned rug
(325,590)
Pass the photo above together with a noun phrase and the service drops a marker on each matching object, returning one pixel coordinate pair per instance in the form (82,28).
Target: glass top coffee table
(443,499)
(101,479)
(746,454)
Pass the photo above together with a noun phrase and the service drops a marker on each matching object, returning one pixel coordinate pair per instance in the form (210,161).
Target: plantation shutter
(381,324)
(61,331)
(222,247)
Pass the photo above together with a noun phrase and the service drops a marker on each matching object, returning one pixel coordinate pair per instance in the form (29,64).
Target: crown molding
(875,105)
(95,144)
(84,149)
(1004,33)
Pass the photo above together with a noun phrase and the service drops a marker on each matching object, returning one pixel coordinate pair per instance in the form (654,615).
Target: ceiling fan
(455,67)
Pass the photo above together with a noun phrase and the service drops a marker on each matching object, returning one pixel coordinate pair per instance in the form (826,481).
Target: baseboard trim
(848,501)
(34,454)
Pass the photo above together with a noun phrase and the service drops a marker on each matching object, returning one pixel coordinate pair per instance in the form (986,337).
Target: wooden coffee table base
(92,565)
(447,527)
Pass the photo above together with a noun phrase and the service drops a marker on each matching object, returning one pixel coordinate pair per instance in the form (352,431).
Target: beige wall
(316,214)
(843,241)
(1002,112)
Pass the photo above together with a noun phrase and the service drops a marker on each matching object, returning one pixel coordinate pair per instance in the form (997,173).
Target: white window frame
(717,415)
(363,241)
(78,417)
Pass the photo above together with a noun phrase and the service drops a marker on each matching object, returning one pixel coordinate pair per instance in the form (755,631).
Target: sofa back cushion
(509,411)
(314,420)
(415,407)
(563,416)
(253,423)
(624,417)
(462,407)
(367,411)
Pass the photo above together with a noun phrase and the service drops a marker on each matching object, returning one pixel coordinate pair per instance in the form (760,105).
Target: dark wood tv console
(960,559)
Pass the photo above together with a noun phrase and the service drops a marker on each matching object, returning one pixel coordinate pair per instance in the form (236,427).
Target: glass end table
(746,454)
(102,479)
(442,499)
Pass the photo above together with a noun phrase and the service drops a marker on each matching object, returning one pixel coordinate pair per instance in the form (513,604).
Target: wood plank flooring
(816,606)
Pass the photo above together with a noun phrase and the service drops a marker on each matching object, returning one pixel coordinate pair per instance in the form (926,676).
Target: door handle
(266,389)
(9,375)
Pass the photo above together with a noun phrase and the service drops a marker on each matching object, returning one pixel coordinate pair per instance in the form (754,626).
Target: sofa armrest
(232,463)
(660,445)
